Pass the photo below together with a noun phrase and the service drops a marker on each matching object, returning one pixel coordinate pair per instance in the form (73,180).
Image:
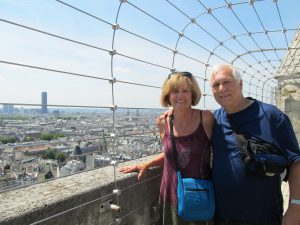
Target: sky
(138,60)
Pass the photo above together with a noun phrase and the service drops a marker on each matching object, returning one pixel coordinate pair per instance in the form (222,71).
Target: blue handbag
(195,197)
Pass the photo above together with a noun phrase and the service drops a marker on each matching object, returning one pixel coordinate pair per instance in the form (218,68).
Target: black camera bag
(261,158)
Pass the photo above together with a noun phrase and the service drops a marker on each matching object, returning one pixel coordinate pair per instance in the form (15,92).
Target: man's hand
(169,112)
(292,215)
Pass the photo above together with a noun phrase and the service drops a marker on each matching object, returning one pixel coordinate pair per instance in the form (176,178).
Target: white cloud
(122,69)
(2,79)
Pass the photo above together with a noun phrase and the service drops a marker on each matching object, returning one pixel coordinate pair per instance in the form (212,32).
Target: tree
(54,154)
(60,156)
(49,154)
(6,140)
(46,136)
(49,137)
(29,139)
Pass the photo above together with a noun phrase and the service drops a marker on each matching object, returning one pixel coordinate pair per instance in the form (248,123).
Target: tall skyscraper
(8,108)
(44,103)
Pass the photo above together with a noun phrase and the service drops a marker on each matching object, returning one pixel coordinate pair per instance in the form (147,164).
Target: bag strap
(173,143)
(241,139)
(236,129)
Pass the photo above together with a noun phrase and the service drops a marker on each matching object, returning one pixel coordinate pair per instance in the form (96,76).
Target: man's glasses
(186,74)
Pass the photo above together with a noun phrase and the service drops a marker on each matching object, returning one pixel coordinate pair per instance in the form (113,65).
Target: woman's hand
(141,168)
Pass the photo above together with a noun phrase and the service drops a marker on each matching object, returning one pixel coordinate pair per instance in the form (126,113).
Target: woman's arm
(142,167)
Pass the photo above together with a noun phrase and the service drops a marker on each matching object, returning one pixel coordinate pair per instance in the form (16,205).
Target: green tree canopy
(49,136)
(60,156)
(54,154)
(5,140)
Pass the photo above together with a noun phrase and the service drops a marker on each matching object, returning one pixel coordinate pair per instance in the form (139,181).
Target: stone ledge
(34,203)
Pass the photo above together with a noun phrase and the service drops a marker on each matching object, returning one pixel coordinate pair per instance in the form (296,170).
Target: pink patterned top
(194,161)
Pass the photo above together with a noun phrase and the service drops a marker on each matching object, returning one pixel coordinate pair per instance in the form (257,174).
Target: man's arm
(292,215)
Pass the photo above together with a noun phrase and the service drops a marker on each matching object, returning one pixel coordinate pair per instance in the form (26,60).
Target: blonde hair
(174,81)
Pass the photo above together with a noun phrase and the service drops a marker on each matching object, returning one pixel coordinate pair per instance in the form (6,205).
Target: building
(288,76)
(8,108)
(44,109)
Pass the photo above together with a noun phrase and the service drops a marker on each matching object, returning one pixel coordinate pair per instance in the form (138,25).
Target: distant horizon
(91,110)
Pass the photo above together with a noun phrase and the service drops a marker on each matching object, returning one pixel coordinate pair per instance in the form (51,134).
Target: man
(248,199)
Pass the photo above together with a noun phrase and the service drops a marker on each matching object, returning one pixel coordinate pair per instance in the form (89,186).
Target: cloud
(2,79)
(121,69)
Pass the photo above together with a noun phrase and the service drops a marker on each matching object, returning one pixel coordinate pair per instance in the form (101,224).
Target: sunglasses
(186,74)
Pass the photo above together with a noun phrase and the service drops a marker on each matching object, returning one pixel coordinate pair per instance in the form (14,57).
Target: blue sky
(19,45)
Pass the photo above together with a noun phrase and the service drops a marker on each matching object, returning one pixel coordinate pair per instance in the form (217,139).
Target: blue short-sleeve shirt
(242,197)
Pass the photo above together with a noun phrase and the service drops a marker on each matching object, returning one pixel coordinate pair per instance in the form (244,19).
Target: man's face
(226,89)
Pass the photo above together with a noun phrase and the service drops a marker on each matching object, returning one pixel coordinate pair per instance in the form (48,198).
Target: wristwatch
(295,201)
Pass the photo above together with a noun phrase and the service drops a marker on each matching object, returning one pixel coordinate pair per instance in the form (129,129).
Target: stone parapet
(84,198)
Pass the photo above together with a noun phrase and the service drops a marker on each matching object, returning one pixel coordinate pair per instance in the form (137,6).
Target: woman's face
(181,97)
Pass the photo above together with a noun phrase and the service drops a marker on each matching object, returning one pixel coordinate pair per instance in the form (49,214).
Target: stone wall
(289,103)
(84,198)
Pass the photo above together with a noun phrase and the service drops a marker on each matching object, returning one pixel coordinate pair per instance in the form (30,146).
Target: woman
(192,130)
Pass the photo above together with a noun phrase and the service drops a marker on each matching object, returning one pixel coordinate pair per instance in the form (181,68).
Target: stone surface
(77,199)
